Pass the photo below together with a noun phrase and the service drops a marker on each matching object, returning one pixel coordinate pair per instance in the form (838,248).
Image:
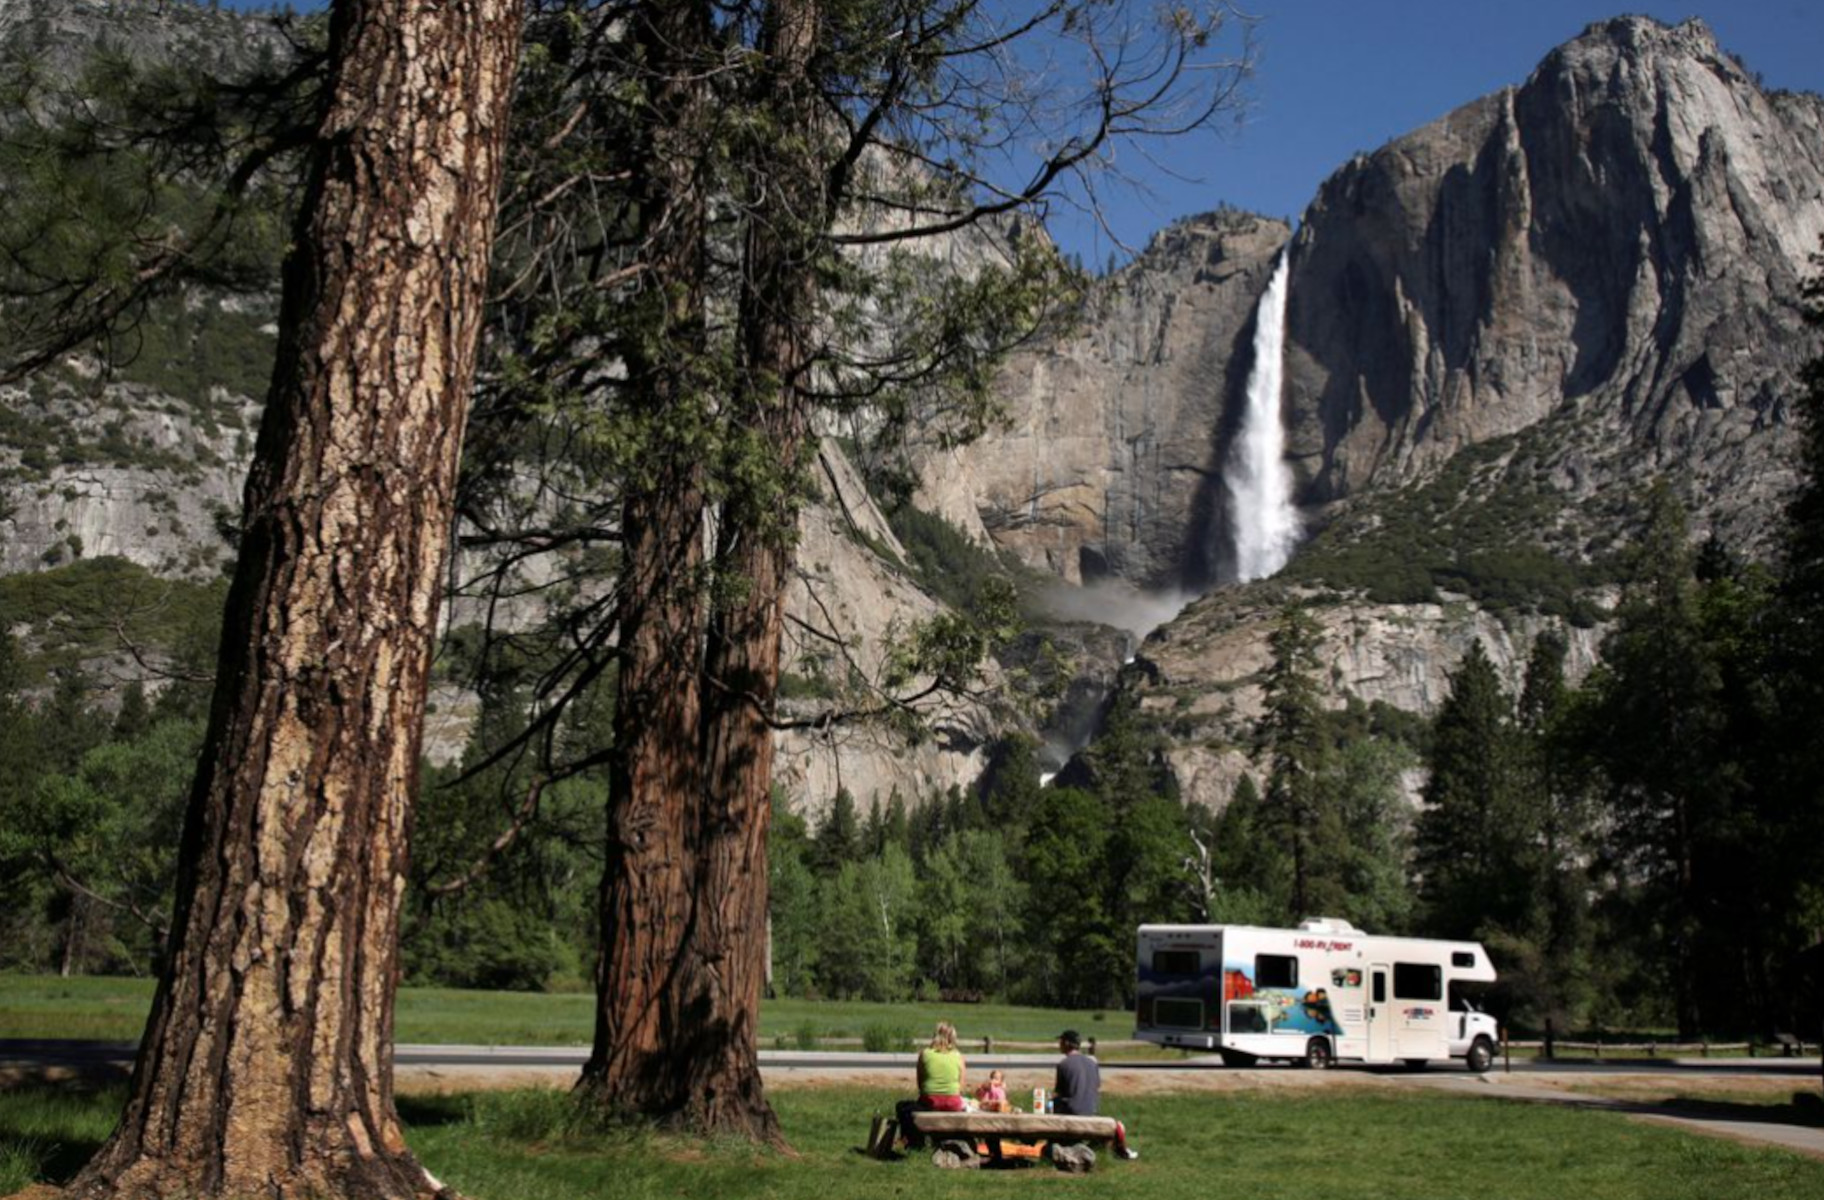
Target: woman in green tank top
(940,1072)
(940,1082)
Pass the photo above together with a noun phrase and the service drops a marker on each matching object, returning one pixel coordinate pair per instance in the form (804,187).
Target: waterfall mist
(1262,519)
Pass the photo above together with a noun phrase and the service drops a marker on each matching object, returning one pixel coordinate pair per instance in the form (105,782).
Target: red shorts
(941,1103)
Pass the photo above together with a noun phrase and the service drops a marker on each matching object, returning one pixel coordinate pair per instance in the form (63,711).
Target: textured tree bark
(266,1067)
(635,1067)
(724,968)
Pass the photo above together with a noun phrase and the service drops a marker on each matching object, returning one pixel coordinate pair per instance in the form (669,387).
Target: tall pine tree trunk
(649,882)
(266,1067)
(725,967)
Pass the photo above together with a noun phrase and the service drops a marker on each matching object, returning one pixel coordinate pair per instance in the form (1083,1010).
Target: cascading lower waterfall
(1262,519)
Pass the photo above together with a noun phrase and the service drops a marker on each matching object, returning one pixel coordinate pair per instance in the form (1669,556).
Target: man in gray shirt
(1077,1090)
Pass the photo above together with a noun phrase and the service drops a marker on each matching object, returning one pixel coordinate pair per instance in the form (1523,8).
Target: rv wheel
(1317,1054)
(1481,1055)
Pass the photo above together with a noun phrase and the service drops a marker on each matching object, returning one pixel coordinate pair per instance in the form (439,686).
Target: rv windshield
(1461,1001)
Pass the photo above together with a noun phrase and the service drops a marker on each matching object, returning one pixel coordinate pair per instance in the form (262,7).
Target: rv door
(1380,1016)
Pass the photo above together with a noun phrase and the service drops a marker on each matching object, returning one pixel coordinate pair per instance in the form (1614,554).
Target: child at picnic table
(993,1094)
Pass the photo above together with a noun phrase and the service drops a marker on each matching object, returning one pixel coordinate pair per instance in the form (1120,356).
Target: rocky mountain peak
(1637,39)
(1618,240)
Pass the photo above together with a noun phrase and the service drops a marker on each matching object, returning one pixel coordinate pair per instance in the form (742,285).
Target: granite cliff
(1501,327)
(1619,241)
(1608,255)
(1108,463)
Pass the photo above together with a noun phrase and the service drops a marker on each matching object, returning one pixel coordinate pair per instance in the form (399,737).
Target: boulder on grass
(955,1155)
(1075,1160)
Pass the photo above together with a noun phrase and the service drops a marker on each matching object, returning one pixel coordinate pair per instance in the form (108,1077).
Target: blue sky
(1339,76)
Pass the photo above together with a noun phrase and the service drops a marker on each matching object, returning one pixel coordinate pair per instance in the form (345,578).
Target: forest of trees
(1629,847)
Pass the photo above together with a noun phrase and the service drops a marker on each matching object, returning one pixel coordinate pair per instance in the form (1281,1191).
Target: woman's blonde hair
(945,1037)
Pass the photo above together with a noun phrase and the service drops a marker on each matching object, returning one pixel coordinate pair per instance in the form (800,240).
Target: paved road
(29,1053)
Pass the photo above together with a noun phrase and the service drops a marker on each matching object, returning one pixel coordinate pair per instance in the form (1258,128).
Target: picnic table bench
(991,1128)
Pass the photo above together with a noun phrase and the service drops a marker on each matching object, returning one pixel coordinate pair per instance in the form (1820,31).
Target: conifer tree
(1472,830)
(1545,949)
(1794,762)
(1656,731)
(838,840)
(266,1065)
(1291,738)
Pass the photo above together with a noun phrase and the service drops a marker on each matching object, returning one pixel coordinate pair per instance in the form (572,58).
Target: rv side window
(1462,958)
(1175,962)
(1275,970)
(1418,981)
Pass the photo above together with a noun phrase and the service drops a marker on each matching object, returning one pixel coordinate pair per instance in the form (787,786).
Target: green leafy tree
(796,918)
(1793,764)
(972,938)
(1363,787)
(870,944)
(70,724)
(896,827)
(945,926)
(1009,785)
(134,716)
(994,897)
(1251,875)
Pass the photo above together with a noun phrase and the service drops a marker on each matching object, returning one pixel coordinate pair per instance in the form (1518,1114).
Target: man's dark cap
(1069,1038)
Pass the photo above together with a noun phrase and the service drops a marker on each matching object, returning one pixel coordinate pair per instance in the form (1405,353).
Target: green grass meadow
(110,1009)
(1362,1144)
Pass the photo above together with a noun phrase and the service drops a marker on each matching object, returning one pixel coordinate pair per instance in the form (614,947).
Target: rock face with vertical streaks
(1620,239)
(1616,244)
(1109,461)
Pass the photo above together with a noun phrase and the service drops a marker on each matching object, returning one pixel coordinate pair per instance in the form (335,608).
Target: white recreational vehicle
(1321,992)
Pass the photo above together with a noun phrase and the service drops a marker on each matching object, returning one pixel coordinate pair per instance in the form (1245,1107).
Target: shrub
(885,1039)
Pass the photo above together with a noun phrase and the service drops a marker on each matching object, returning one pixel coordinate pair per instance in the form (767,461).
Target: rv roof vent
(1326,925)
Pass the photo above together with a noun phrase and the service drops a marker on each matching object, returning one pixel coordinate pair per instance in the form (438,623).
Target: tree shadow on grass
(47,1138)
(55,1162)
(426,1112)
(1803,1111)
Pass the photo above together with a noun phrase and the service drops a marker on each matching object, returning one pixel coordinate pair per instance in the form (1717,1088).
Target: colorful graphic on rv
(1254,1009)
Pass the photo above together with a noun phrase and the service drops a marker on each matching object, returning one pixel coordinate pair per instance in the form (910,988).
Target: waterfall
(1259,484)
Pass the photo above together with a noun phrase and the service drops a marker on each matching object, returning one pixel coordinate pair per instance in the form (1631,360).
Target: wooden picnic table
(1025,1127)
